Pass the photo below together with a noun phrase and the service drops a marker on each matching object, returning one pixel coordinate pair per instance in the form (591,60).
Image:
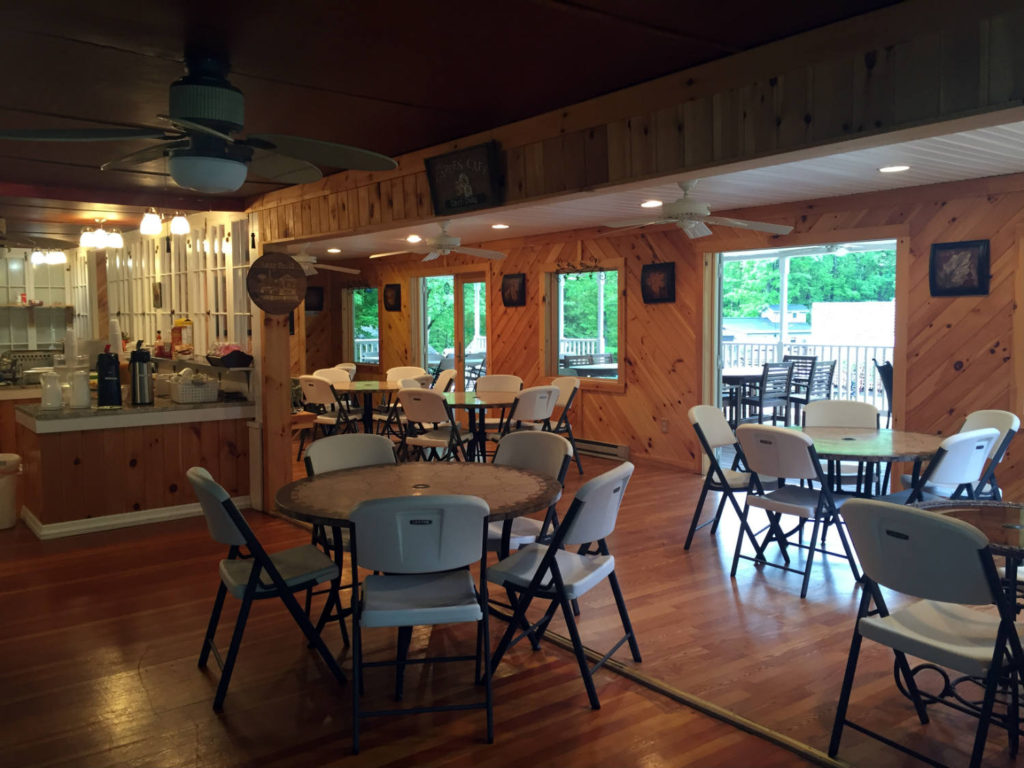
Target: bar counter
(87,470)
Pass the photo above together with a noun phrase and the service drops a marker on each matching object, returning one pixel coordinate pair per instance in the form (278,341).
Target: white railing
(578,347)
(856,377)
(367,350)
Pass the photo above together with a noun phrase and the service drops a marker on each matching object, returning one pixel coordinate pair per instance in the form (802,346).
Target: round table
(329,499)
(1001,521)
(477,404)
(366,389)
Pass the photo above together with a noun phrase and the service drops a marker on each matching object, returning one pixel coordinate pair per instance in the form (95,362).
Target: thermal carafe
(141,374)
(108,381)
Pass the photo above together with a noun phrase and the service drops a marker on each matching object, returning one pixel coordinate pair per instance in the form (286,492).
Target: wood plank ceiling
(391,77)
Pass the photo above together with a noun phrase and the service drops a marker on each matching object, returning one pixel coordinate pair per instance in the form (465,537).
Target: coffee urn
(141,373)
(108,380)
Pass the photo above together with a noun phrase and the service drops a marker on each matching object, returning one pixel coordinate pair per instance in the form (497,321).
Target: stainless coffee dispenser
(141,374)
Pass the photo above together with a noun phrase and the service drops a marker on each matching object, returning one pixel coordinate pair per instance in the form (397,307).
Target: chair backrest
(218,508)
(445,381)
(919,553)
(317,391)
(356,449)
(419,534)
(775,381)
(424,405)
(885,374)
(400,372)
(350,367)
(545,453)
(535,404)
(567,387)
(1007,423)
(412,384)
(820,387)
(961,457)
(334,375)
(596,507)
(840,413)
(778,452)
(713,425)
(498,383)
(803,368)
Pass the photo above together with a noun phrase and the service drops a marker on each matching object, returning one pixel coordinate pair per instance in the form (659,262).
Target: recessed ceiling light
(334,250)
(499,226)
(894,169)
(651,204)
(413,239)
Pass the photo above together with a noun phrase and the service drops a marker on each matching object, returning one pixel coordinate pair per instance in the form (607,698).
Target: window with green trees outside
(588,323)
(365,325)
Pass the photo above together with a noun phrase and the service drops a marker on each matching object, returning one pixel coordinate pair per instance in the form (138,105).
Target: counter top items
(141,376)
(108,381)
(80,395)
(234,359)
(52,397)
(189,387)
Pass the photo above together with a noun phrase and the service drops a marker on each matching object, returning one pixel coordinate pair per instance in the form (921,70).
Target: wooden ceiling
(389,76)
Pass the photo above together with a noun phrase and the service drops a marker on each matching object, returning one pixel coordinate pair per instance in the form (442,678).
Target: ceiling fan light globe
(179,225)
(211,175)
(151,224)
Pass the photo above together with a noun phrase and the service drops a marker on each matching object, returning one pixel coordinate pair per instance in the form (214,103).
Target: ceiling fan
(309,265)
(692,216)
(200,139)
(441,245)
(31,243)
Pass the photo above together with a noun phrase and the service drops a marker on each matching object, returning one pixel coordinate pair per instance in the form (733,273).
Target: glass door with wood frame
(454,325)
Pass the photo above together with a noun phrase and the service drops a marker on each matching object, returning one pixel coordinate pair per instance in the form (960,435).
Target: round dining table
(477,404)
(366,390)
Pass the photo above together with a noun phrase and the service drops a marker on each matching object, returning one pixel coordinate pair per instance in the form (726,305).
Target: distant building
(854,323)
(797,313)
(765,329)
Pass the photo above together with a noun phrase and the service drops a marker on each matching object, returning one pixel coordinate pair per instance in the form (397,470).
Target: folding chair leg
(624,615)
(357,681)
(211,627)
(577,646)
(991,683)
(844,694)
(229,662)
(696,512)
(311,635)
(815,531)
(402,653)
(903,667)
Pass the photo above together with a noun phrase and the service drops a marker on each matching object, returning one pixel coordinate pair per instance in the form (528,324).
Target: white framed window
(587,334)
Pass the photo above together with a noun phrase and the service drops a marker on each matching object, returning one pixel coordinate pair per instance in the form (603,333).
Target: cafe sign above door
(276,283)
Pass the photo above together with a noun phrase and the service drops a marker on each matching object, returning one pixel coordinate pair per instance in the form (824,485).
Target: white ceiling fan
(692,216)
(200,137)
(442,245)
(310,266)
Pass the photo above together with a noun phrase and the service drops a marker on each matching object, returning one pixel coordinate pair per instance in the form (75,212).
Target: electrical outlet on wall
(664,425)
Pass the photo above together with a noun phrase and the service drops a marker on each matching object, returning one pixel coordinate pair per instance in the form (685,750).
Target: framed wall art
(513,290)
(658,283)
(959,269)
(393,297)
(466,179)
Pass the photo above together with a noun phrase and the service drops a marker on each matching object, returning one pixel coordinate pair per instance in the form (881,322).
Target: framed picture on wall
(513,290)
(158,295)
(465,180)
(658,283)
(393,297)
(959,269)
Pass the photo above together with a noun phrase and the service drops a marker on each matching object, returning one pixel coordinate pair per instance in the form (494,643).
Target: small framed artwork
(658,283)
(513,290)
(158,295)
(393,297)
(959,269)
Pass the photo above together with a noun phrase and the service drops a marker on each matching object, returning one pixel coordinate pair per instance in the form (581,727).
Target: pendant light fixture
(151,223)
(179,225)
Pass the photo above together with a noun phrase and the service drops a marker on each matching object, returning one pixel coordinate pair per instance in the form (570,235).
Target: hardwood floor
(100,634)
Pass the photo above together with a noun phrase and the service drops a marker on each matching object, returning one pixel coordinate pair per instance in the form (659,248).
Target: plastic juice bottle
(158,345)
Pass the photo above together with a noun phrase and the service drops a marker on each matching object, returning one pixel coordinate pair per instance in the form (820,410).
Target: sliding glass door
(454,325)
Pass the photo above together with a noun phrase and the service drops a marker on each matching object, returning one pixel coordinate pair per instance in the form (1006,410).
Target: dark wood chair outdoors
(885,374)
(771,394)
(819,387)
(803,368)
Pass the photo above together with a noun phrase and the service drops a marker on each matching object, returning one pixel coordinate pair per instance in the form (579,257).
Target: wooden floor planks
(99,636)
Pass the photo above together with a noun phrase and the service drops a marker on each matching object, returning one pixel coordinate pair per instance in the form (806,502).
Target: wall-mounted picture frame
(392,297)
(658,283)
(158,295)
(513,290)
(314,298)
(465,180)
(959,269)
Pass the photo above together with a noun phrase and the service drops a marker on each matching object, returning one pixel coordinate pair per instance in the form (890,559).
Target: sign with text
(465,180)
(276,283)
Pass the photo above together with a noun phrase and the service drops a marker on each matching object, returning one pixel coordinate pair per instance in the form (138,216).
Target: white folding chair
(420,548)
(784,453)
(959,462)
(551,572)
(947,565)
(568,387)
(445,381)
(987,487)
(430,428)
(349,367)
(319,397)
(546,454)
(852,414)
(713,432)
(532,408)
(255,575)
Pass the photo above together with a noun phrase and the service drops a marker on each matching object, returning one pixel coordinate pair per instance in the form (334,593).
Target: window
(588,325)
(365,325)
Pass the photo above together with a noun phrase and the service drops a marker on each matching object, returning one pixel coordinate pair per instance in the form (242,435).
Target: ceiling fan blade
(191,127)
(282,168)
(636,223)
(482,252)
(325,153)
(345,270)
(431,255)
(145,154)
(759,226)
(386,253)
(84,134)
(694,228)
(30,243)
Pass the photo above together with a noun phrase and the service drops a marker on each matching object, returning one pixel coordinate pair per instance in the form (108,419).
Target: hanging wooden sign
(276,283)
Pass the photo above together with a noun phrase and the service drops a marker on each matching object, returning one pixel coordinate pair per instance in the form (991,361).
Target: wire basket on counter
(194,392)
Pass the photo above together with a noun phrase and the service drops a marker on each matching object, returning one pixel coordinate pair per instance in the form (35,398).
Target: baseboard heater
(605,450)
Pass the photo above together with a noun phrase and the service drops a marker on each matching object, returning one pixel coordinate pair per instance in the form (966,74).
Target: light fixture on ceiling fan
(442,245)
(100,237)
(200,142)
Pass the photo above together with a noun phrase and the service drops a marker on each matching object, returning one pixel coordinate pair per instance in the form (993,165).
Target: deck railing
(578,347)
(856,377)
(367,350)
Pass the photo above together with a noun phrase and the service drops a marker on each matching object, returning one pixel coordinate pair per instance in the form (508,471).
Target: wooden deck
(100,634)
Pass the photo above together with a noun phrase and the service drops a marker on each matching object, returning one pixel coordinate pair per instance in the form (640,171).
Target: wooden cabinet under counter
(90,470)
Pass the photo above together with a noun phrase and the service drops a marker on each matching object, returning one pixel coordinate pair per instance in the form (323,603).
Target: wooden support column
(276,400)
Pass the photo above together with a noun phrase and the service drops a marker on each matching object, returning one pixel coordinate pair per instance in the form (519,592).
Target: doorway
(453,325)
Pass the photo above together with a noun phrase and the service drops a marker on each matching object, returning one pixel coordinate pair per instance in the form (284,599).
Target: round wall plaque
(276,283)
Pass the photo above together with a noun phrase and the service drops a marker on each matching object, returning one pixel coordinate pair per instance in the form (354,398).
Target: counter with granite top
(163,411)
